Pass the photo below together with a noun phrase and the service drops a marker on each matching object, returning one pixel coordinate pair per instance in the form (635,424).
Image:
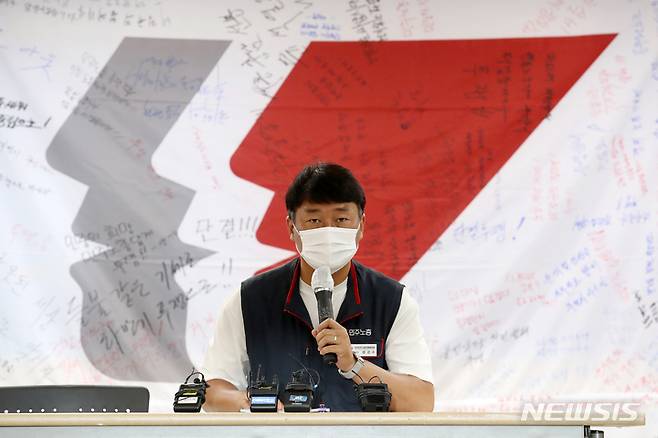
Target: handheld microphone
(323,285)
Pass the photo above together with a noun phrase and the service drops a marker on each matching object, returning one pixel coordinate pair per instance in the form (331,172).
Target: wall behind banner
(509,153)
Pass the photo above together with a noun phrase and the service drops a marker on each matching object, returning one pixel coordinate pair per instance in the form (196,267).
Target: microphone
(323,285)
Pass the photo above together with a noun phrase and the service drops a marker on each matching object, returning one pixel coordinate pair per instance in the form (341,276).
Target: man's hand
(333,338)
(222,395)
(409,393)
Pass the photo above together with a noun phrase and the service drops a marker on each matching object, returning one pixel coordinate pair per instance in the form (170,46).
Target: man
(273,324)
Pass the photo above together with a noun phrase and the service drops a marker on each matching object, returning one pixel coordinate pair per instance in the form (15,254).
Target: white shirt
(406,351)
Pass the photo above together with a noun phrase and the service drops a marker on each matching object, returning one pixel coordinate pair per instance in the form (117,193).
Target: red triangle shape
(424,125)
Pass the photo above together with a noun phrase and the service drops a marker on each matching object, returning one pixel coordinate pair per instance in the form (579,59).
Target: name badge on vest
(365,350)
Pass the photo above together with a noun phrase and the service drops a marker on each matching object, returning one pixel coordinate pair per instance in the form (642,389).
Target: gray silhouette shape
(133,316)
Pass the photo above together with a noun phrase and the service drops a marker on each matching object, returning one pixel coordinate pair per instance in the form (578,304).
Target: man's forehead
(312,207)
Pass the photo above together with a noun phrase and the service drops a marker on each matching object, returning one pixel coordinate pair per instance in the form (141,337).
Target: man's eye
(313,221)
(343,219)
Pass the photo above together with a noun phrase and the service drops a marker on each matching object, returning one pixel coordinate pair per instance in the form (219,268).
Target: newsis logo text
(576,411)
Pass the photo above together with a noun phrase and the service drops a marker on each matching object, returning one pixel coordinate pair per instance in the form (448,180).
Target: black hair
(324,183)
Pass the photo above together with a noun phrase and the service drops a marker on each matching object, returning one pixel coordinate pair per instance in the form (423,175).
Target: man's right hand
(223,396)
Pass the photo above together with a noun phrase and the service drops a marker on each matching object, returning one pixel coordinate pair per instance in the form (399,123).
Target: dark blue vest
(278,328)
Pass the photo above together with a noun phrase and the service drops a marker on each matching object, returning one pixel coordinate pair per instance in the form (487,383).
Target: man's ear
(362,227)
(290,225)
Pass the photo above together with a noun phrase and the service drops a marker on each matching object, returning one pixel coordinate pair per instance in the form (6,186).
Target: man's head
(325,195)
(324,183)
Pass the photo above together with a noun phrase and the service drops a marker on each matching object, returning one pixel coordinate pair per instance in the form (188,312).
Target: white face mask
(328,246)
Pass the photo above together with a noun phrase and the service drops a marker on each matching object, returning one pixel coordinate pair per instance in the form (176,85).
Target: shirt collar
(351,307)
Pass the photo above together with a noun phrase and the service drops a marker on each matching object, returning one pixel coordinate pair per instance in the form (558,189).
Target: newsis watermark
(580,411)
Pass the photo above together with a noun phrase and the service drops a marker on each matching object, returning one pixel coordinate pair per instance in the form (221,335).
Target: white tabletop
(296,419)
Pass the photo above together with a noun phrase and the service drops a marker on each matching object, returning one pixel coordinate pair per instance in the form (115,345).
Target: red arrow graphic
(424,125)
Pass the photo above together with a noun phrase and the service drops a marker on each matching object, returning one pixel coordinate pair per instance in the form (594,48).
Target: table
(291,425)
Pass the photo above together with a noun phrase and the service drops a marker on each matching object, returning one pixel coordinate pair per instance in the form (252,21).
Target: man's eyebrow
(317,210)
